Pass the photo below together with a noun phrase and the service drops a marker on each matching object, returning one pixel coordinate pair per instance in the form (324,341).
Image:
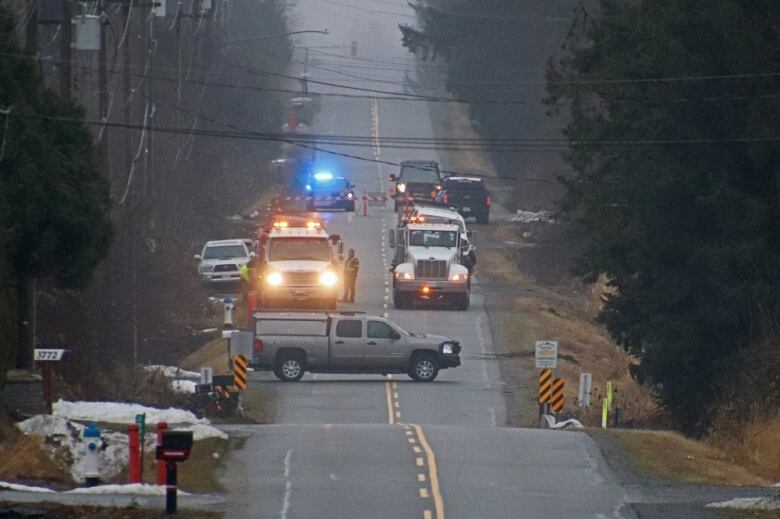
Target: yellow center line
(389,397)
(433,473)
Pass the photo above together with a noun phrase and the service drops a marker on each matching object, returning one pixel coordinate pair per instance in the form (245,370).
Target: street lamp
(274,36)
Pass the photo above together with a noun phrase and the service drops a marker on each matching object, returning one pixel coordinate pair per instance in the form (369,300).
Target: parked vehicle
(428,265)
(291,343)
(327,191)
(417,180)
(468,195)
(220,261)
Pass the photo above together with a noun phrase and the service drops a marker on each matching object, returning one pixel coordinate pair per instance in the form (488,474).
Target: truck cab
(298,266)
(428,265)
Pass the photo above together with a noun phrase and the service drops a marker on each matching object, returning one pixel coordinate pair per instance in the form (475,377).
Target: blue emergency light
(322,176)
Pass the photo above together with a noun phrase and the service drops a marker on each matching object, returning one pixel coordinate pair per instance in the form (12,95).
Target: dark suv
(418,180)
(468,195)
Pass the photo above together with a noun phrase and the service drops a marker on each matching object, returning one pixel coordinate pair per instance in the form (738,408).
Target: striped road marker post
(556,402)
(545,390)
(240,371)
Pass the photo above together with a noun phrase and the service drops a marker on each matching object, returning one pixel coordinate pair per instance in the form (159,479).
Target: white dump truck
(428,265)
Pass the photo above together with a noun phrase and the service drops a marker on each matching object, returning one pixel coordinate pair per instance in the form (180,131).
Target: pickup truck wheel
(424,368)
(289,368)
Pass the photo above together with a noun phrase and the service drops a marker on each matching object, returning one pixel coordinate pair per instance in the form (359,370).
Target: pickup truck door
(348,344)
(385,347)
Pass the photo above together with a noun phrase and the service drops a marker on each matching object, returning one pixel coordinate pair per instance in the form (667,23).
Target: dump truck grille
(301,278)
(431,269)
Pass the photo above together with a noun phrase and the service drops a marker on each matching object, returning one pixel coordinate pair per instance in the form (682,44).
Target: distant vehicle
(220,261)
(328,191)
(428,265)
(290,343)
(468,195)
(298,266)
(417,180)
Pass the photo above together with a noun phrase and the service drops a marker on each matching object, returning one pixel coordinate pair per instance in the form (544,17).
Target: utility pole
(65,50)
(103,89)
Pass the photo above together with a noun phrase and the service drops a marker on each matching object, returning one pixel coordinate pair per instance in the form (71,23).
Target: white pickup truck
(290,343)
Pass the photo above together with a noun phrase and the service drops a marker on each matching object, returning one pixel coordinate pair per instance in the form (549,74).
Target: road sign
(586,381)
(47,355)
(240,370)
(545,386)
(556,402)
(546,354)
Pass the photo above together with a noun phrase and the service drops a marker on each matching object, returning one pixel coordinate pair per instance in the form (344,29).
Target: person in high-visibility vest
(247,273)
(351,267)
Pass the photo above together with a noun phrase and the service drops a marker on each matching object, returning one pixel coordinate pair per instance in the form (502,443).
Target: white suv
(220,261)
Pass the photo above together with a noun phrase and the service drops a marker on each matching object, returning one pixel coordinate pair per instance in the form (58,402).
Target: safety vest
(245,272)
(352,265)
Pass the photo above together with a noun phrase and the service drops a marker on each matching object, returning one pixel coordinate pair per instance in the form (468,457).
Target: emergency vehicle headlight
(403,275)
(274,279)
(312,225)
(328,278)
(447,348)
(321,176)
(458,277)
(426,290)
(350,196)
(401,188)
(280,225)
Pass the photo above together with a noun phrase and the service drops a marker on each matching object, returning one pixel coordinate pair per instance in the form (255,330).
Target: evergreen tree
(675,138)
(55,216)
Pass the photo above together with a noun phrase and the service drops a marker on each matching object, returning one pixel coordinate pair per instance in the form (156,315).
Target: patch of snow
(531,216)
(209,330)
(172,371)
(183,386)
(749,503)
(4,485)
(122,413)
(130,488)
(62,440)
(202,432)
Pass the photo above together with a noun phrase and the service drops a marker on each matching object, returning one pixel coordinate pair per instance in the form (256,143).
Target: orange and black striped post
(545,390)
(240,371)
(556,401)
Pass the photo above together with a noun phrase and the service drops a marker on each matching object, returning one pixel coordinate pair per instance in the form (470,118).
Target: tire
(400,301)
(289,367)
(483,219)
(462,302)
(424,367)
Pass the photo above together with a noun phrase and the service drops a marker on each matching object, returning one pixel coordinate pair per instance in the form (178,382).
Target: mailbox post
(176,447)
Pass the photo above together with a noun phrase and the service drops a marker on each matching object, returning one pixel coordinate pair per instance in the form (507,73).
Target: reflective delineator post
(134,468)
(161,472)
(604,411)
(365,203)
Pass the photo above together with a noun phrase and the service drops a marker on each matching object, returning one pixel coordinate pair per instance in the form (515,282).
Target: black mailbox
(176,446)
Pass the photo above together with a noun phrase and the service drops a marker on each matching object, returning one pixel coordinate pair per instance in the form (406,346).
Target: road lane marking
(416,449)
(420,477)
(389,397)
(433,472)
(424,493)
(427,514)
(287,486)
(419,462)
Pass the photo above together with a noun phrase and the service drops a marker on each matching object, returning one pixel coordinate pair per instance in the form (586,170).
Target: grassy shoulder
(670,456)
(526,310)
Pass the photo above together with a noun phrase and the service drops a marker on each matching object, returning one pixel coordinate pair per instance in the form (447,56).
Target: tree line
(670,113)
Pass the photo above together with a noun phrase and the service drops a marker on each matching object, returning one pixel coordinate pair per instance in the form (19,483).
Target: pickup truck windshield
(432,238)
(300,249)
(415,174)
(224,252)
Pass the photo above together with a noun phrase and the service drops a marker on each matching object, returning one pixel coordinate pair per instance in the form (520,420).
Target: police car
(324,190)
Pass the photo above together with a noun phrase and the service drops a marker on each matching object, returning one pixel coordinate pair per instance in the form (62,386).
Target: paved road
(372,446)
